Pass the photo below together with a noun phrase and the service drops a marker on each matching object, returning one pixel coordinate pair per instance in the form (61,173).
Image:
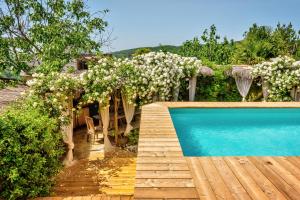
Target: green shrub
(30,148)
(218,87)
(8,83)
(133,137)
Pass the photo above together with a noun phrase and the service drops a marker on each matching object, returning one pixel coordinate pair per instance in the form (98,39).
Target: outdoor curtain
(243,80)
(129,109)
(192,88)
(104,112)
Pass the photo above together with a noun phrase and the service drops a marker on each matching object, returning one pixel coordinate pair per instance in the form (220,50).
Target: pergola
(129,110)
(204,71)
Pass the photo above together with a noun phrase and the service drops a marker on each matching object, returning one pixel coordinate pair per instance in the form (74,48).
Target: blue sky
(138,23)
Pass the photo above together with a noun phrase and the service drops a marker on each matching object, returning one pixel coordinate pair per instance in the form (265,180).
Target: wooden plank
(284,173)
(202,185)
(159,144)
(167,160)
(294,160)
(245,179)
(219,187)
(267,187)
(160,154)
(155,149)
(165,193)
(158,136)
(231,104)
(162,167)
(163,174)
(279,182)
(295,171)
(160,139)
(237,190)
(164,182)
(126,197)
(157,132)
(114,197)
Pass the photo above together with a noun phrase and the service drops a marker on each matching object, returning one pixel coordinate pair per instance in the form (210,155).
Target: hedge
(30,151)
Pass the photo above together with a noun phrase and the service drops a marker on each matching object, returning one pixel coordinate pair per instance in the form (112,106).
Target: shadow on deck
(92,174)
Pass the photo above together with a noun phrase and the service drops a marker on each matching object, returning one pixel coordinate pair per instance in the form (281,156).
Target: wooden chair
(92,131)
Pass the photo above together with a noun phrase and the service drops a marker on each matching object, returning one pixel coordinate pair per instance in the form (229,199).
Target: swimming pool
(238,131)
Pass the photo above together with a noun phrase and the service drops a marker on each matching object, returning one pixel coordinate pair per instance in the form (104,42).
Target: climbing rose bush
(56,90)
(101,80)
(143,77)
(159,74)
(281,74)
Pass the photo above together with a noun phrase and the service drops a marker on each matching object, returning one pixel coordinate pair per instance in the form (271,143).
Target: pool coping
(162,169)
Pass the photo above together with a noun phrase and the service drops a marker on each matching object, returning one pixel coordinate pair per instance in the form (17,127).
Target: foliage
(8,83)
(56,90)
(133,137)
(140,78)
(101,80)
(161,73)
(285,40)
(262,43)
(30,148)
(219,87)
(281,74)
(208,47)
(256,46)
(46,33)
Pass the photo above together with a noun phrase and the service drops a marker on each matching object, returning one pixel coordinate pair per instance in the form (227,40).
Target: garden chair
(92,131)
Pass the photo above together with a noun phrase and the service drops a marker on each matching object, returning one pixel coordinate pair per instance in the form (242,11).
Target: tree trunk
(68,137)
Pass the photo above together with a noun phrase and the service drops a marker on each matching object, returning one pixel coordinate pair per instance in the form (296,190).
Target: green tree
(256,45)
(191,48)
(284,39)
(262,43)
(209,47)
(210,43)
(297,54)
(225,52)
(47,33)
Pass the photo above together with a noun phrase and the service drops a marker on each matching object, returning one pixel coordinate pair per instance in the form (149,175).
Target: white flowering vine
(140,78)
(101,80)
(159,73)
(281,74)
(56,90)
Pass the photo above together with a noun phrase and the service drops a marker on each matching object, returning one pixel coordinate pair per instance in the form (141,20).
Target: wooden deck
(93,174)
(163,171)
(90,197)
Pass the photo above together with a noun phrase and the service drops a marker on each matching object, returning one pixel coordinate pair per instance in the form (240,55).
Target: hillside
(129,52)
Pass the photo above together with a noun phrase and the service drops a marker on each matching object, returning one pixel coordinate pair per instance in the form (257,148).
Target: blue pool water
(238,131)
